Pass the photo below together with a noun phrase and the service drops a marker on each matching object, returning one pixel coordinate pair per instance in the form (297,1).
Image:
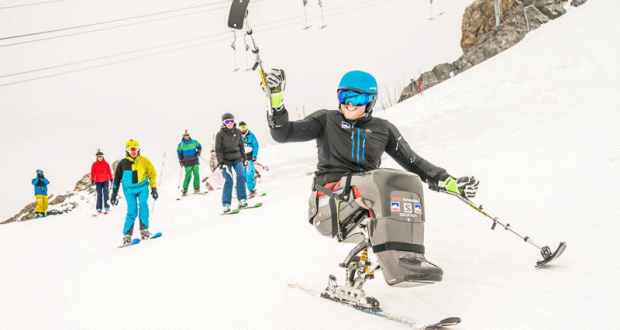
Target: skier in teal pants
(136,173)
(251,152)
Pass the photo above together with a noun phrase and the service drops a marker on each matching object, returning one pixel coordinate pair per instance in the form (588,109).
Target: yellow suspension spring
(364,259)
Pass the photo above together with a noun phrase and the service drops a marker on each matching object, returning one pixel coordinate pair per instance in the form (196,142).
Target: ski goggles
(243,128)
(39,172)
(229,121)
(356,98)
(133,149)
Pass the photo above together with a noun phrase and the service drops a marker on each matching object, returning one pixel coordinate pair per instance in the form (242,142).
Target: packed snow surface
(537,124)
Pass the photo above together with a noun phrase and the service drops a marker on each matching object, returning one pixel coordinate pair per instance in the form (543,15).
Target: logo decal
(397,199)
(418,209)
(407,207)
(345,125)
(395,206)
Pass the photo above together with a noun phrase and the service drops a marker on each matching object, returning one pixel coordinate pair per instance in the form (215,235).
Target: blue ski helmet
(362,82)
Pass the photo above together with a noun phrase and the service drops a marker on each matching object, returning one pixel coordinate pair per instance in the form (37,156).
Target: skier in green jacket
(188,151)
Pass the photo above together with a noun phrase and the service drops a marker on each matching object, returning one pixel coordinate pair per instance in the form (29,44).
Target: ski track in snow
(536,124)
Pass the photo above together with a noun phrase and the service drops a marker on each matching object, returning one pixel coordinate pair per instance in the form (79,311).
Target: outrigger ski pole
(237,19)
(545,251)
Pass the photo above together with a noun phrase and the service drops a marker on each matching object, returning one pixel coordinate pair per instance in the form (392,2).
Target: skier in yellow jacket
(136,173)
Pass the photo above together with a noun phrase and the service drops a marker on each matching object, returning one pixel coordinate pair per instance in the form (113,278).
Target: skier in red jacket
(101,175)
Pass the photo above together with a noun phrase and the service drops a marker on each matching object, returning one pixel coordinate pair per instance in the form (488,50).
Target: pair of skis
(377,312)
(196,193)
(137,240)
(236,211)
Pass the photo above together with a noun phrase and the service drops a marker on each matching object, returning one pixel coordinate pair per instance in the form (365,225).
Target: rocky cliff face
(61,203)
(482,39)
(478,19)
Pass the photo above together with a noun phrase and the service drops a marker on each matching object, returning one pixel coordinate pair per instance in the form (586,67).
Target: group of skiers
(234,149)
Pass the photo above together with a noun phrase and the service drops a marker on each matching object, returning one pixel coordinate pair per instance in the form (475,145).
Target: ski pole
(180,173)
(545,251)
(161,176)
(237,19)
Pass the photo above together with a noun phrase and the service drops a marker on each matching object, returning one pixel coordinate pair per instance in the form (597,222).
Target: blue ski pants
(249,175)
(228,185)
(136,198)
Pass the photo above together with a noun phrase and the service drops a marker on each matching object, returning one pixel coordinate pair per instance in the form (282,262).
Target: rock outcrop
(478,19)
(489,40)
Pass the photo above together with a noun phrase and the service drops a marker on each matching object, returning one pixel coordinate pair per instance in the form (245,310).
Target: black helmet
(227,116)
(99,153)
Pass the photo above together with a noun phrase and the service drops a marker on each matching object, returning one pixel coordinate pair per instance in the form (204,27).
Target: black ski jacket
(229,146)
(346,147)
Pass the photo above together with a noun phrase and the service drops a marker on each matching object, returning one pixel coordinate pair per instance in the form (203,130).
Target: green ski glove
(465,186)
(276,81)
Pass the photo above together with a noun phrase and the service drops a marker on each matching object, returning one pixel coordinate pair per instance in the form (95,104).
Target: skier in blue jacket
(251,153)
(40,193)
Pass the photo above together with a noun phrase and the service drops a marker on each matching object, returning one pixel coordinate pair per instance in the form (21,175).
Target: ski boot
(226,209)
(243,204)
(37,215)
(184,193)
(107,209)
(127,239)
(145,233)
(253,193)
(358,270)
(197,191)
(99,211)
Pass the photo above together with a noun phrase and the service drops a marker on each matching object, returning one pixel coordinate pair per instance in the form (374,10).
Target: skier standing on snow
(40,193)
(136,173)
(213,161)
(251,153)
(188,151)
(350,140)
(101,176)
(231,155)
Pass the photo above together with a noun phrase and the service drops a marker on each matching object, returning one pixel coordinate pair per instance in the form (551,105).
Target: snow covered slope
(536,124)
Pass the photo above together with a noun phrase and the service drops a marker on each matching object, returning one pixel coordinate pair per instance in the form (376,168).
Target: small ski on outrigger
(137,240)
(374,309)
(545,251)
(235,211)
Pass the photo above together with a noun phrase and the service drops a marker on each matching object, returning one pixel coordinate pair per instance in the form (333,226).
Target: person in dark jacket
(40,193)
(351,140)
(188,151)
(101,176)
(231,155)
